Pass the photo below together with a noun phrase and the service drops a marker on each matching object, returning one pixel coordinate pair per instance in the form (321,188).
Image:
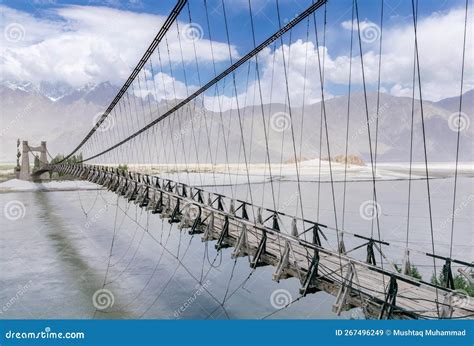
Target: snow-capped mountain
(26,87)
(64,93)
(52,112)
(100,94)
(55,91)
(62,116)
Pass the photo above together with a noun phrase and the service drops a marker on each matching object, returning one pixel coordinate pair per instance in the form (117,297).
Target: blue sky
(115,34)
(264,11)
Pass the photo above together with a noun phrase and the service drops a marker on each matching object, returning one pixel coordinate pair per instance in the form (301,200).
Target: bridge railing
(230,217)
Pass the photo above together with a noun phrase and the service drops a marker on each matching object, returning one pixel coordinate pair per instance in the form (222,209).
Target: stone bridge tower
(25,173)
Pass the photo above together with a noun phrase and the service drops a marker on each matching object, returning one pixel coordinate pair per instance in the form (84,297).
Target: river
(56,253)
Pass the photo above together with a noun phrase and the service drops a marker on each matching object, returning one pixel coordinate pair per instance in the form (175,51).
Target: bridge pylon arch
(25,173)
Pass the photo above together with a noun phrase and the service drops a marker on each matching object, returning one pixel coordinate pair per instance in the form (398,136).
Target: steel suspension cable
(261,106)
(212,82)
(324,120)
(291,117)
(424,145)
(377,115)
(410,172)
(161,33)
(458,130)
(374,190)
(321,103)
(347,121)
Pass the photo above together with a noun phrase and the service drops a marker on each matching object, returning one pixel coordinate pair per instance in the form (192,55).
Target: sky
(76,43)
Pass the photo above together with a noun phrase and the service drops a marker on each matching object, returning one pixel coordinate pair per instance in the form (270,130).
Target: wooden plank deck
(369,284)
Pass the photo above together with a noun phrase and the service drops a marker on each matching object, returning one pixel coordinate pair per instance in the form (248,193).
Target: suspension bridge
(176,119)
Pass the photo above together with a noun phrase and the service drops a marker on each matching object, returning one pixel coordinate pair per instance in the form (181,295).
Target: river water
(56,254)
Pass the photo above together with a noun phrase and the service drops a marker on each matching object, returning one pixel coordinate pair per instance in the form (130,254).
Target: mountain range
(62,115)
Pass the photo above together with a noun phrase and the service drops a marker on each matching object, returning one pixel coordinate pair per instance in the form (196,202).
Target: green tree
(71,160)
(123,168)
(460,283)
(414,273)
(36,164)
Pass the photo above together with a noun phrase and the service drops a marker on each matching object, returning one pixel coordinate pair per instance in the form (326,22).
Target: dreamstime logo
(103,299)
(190,211)
(106,125)
(447,222)
(370,33)
(458,122)
(193,32)
(289,202)
(287,20)
(14,32)
(280,298)
(21,291)
(96,217)
(362,130)
(280,121)
(199,290)
(14,210)
(369,210)
(187,126)
(17,121)
(45,334)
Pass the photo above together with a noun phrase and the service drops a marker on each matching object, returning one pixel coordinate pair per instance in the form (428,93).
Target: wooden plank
(414,300)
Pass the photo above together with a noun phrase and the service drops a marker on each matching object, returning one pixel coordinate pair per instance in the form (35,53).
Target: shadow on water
(82,278)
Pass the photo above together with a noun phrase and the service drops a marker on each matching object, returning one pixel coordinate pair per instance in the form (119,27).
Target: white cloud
(273,81)
(166,87)
(440,40)
(80,47)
